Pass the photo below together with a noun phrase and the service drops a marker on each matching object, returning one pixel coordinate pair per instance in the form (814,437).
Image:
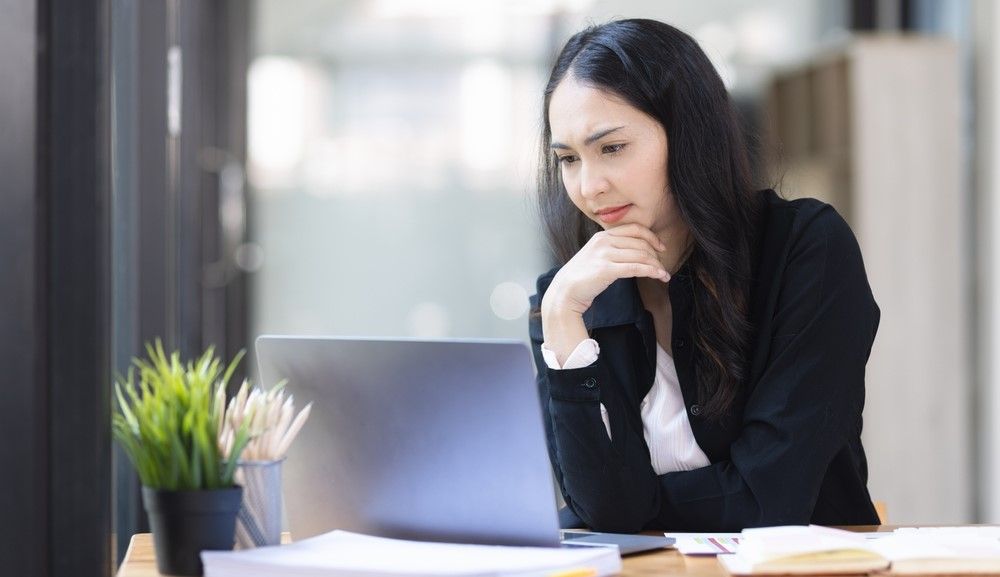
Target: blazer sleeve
(610,486)
(808,402)
(802,410)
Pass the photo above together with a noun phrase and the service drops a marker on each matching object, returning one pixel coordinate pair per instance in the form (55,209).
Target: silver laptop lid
(436,440)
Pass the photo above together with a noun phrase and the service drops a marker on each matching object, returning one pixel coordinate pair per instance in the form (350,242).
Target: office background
(210,171)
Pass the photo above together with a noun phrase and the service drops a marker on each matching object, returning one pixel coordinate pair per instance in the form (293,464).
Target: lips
(604,211)
(613,214)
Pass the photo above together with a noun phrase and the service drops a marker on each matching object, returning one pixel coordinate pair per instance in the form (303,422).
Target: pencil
(578,572)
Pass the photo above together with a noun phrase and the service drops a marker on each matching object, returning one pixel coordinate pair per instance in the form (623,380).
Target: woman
(701,348)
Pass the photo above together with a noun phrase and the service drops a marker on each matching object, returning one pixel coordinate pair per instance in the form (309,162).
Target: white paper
(940,543)
(345,553)
(705,543)
(766,543)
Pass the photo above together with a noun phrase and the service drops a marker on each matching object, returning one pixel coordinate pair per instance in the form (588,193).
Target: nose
(592,180)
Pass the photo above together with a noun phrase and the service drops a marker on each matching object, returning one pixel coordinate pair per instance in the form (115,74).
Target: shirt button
(590,383)
(679,343)
(696,410)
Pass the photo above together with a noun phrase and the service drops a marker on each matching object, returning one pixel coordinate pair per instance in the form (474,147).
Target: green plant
(169,422)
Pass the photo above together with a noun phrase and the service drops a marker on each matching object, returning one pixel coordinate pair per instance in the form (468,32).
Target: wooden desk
(140,560)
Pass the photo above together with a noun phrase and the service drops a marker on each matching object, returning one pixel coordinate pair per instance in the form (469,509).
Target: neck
(679,244)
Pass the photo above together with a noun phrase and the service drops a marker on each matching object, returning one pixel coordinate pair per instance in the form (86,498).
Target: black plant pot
(185,523)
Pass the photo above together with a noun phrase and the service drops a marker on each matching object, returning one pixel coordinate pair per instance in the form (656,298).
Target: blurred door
(178,210)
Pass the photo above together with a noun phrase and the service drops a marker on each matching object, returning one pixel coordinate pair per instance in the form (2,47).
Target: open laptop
(434,440)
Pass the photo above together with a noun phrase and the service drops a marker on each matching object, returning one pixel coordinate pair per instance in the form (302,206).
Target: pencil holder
(259,520)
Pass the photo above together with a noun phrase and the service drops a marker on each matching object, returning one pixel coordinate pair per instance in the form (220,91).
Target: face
(611,155)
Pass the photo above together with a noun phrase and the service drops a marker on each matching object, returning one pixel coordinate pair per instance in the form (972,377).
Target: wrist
(554,307)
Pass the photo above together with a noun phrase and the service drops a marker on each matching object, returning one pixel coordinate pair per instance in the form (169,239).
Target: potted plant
(168,421)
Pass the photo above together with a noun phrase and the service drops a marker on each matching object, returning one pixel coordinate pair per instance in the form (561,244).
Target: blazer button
(679,343)
(696,410)
(590,383)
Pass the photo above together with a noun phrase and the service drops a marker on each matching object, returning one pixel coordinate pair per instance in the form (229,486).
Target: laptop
(431,440)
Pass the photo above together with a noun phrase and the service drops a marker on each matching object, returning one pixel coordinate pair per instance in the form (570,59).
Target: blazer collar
(620,303)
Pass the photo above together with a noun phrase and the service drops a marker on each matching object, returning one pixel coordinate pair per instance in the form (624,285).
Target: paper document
(723,543)
(343,553)
(705,543)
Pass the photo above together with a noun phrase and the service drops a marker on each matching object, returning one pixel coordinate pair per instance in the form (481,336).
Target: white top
(665,424)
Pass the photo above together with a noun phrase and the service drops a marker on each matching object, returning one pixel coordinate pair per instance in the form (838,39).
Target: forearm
(713,498)
(610,484)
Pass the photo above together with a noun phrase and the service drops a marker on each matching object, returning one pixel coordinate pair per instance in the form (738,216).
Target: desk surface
(140,560)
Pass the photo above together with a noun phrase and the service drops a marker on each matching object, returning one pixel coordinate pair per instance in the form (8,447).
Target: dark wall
(23,494)
(54,292)
(109,221)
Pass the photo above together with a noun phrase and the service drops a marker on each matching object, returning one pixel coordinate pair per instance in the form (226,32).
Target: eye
(612,148)
(566,159)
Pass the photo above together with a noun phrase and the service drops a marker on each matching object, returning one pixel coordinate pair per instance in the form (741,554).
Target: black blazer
(789,453)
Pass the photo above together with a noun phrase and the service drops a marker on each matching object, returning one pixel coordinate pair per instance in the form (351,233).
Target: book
(808,550)
(342,553)
(801,550)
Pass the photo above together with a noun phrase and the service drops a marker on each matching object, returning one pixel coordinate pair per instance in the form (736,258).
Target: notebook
(342,553)
(801,550)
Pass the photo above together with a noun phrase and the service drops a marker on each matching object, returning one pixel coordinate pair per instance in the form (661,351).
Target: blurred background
(366,167)
(391,155)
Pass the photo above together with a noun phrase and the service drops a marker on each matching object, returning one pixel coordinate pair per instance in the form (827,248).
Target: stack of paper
(799,550)
(343,553)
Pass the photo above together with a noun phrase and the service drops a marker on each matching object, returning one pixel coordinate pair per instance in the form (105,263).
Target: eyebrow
(590,139)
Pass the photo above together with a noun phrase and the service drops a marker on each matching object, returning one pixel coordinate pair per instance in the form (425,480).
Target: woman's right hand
(625,251)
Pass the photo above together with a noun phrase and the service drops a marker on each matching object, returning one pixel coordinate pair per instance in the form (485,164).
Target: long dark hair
(663,72)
